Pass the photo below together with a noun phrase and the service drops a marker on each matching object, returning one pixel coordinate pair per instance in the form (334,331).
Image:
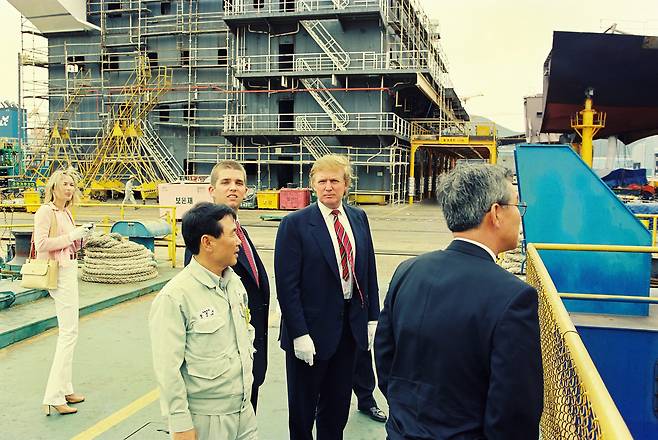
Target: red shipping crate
(294,198)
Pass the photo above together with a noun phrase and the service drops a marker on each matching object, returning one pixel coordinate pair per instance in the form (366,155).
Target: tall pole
(587,123)
(586,150)
(412,181)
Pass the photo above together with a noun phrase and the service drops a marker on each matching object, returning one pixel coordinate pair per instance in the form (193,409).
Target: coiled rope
(112,260)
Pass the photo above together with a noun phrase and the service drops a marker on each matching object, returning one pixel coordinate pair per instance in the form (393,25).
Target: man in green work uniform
(201,337)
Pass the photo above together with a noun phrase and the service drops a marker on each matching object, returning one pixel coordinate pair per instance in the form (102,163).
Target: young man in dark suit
(457,347)
(326,282)
(228,186)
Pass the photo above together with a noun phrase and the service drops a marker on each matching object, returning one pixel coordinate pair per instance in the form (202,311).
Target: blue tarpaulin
(625,177)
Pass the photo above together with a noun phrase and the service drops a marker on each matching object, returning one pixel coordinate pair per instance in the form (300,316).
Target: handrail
(576,401)
(396,59)
(608,297)
(170,218)
(316,122)
(593,247)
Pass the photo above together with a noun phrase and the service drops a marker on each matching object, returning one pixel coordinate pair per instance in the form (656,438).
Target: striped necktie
(344,245)
(346,254)
(247,252)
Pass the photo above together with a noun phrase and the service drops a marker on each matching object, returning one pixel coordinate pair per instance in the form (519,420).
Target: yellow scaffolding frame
(120,152)
(57,150)
(456,139)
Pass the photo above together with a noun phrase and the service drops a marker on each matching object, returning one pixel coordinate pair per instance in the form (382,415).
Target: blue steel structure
(143,232)
(11,122)
(627,360)
(274,84)
(568,203)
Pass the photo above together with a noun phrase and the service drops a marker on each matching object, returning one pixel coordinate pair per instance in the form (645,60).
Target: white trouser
(66,305)
(129,198)
(237,426)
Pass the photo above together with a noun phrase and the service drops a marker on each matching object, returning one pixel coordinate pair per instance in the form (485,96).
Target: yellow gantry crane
(447,142)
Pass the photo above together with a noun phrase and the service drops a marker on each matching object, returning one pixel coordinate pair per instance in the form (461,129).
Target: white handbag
(40,274)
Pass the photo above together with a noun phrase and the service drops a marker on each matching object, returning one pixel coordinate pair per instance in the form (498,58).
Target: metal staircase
(166,163)
(327,43)
(329,104)
(81,83)
(57,149)
(128,144)
(314,144)
(340,4)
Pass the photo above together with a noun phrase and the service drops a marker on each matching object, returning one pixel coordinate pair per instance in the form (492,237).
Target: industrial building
(163,89)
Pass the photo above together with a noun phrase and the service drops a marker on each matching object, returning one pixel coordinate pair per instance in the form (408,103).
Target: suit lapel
(321,235)
(242,256)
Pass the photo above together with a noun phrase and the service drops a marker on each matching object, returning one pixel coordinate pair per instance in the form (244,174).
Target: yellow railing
(169,217)
(577,404)
(645,220)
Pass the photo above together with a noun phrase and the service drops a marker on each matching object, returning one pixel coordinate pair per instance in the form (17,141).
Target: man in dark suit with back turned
(326,285)
(228,186)
(457,345)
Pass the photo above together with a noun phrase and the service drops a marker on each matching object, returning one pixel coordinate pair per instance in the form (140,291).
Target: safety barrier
(106,223)
(577,404)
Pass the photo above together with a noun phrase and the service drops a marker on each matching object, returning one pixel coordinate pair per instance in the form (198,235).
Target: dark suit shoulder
(472,270)
(422,261)
(354,208)
(301,214)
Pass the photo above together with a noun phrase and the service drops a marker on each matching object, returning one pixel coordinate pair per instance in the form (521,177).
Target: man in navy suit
(364,385)
(457,347)
(326,282)
(228,186)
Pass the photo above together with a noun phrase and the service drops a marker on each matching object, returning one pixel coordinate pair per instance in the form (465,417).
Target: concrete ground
(112,366)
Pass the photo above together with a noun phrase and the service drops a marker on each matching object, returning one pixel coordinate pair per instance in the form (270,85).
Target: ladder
(166,163)
(329,104)
(81,83)
(314,144)
(327,43)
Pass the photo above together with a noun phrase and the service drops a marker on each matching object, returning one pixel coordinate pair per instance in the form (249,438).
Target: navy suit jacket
(259,304)
(308,283)
(457,349)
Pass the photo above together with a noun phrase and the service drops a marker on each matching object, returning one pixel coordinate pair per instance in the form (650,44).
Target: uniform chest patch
(206,313)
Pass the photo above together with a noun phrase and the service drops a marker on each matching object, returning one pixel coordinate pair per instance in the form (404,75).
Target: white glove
(304,349)
(372,328)
(79,233)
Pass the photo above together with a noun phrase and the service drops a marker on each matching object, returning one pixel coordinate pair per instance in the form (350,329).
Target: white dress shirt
(477,243)
(329,221)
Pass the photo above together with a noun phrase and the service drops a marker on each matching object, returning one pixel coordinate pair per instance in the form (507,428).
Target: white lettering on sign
(4,121)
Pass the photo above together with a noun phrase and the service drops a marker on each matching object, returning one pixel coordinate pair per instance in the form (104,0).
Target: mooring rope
(112,260)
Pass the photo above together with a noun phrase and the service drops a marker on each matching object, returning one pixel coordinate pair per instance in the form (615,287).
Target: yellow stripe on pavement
(118,416)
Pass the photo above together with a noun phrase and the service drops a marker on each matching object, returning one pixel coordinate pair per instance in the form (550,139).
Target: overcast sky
(495,47)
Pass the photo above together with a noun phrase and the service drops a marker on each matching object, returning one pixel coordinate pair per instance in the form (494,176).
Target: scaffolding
(166,89)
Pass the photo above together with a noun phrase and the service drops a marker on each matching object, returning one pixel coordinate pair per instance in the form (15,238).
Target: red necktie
(346,254)
(247,252)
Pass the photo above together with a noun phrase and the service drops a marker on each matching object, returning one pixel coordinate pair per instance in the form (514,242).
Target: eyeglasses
(521,206)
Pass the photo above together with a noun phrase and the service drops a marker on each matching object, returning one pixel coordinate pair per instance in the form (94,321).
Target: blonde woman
(61,244)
